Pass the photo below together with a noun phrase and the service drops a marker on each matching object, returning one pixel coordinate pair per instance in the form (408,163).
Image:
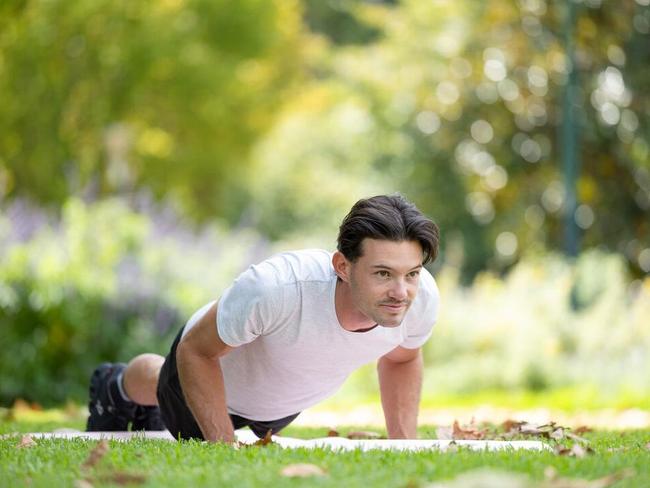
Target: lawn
(618,459)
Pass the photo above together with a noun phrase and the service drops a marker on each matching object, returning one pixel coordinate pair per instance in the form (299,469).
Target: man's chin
(390,322)
(390,326)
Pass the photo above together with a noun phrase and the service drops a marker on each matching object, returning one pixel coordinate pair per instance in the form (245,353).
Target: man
(288,332)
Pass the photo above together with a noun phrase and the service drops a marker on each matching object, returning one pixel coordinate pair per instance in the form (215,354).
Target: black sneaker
(108,411)
(148,418)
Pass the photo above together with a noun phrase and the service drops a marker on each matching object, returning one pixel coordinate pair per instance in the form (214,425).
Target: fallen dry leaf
(123,478)
(583,429)
(83,484)
(26,441)
(485,478)
(333,433)
(21,405)
(363,434)
(647,446)
(550,473)
(302,470)
(539,430)
(98,452)
(558,434)
(510,425)
(616,449)
(547,431)
(576,450)
(266,440)
(576,438)
(554,481)
(468,433)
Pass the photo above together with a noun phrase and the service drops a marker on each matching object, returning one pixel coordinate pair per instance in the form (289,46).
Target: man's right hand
(201,379)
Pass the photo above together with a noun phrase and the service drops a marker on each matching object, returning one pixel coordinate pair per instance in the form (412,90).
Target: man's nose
(398,290)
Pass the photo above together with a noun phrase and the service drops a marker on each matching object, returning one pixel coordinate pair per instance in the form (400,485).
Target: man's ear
(341,266)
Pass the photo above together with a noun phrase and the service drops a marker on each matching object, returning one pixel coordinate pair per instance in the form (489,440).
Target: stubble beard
(385,319)
(375,311)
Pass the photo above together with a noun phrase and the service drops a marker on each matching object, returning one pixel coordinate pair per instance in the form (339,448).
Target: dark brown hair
(387,217)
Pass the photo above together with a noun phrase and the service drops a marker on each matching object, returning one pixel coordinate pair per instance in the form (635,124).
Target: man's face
(385,279)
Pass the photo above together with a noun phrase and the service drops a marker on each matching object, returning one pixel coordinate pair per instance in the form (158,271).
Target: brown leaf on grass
(363,434)
(555,481)
(333,433)
(302,470)
(581,451)
(583,429)
(576,450)
(547,431)
(616,449)
(512,425)
(557,434)
(266,440)
(20,404)
(468,433)
(82,483)
(23,405)
(122,478)
(26,441)
(539,430)
(647,446)
(98,452)
(576,438)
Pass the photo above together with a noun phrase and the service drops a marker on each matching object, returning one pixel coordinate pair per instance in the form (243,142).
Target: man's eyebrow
(384,266)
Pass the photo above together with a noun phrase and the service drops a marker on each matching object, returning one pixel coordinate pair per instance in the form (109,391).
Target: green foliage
(121,95)
(459,105)
(107,282)
(283,113)
(103,283)
(338,21)
(546,325)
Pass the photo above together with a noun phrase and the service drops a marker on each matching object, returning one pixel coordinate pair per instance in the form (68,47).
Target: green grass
(160,463)
(362,388)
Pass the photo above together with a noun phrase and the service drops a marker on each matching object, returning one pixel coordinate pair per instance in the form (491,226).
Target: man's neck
(349,316)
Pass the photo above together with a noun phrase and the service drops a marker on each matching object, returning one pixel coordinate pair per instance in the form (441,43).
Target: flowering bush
(548,324)
(102,283)
(106,281)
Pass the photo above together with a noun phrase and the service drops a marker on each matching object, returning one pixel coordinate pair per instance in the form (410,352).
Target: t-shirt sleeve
(425,314)
(247,306)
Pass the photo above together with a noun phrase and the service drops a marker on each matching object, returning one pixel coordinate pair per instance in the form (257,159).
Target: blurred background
(151,150)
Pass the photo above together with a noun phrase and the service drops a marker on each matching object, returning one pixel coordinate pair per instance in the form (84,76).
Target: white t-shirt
(290,350)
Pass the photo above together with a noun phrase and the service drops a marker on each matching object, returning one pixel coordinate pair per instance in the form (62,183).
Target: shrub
(106,281)
(102,283)
(548,323)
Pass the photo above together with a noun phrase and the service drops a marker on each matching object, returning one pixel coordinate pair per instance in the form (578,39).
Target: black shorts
(179,419)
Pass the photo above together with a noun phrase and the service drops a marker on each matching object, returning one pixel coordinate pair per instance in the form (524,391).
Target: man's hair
(387,217)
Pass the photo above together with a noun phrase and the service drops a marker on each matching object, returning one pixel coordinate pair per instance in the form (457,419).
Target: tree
(117,95)
(465,105)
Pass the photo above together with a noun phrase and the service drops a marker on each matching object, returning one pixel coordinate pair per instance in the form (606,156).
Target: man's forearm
(400,385)
(203,388)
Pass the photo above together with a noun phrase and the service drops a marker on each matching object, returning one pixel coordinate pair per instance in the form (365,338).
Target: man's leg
(113,406)
(140,381)
(140,378)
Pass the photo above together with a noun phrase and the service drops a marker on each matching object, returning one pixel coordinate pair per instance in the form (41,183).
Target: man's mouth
(395,306)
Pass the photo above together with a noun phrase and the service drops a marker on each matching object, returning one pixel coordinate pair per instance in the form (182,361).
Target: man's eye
(414,274)
(383,274)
